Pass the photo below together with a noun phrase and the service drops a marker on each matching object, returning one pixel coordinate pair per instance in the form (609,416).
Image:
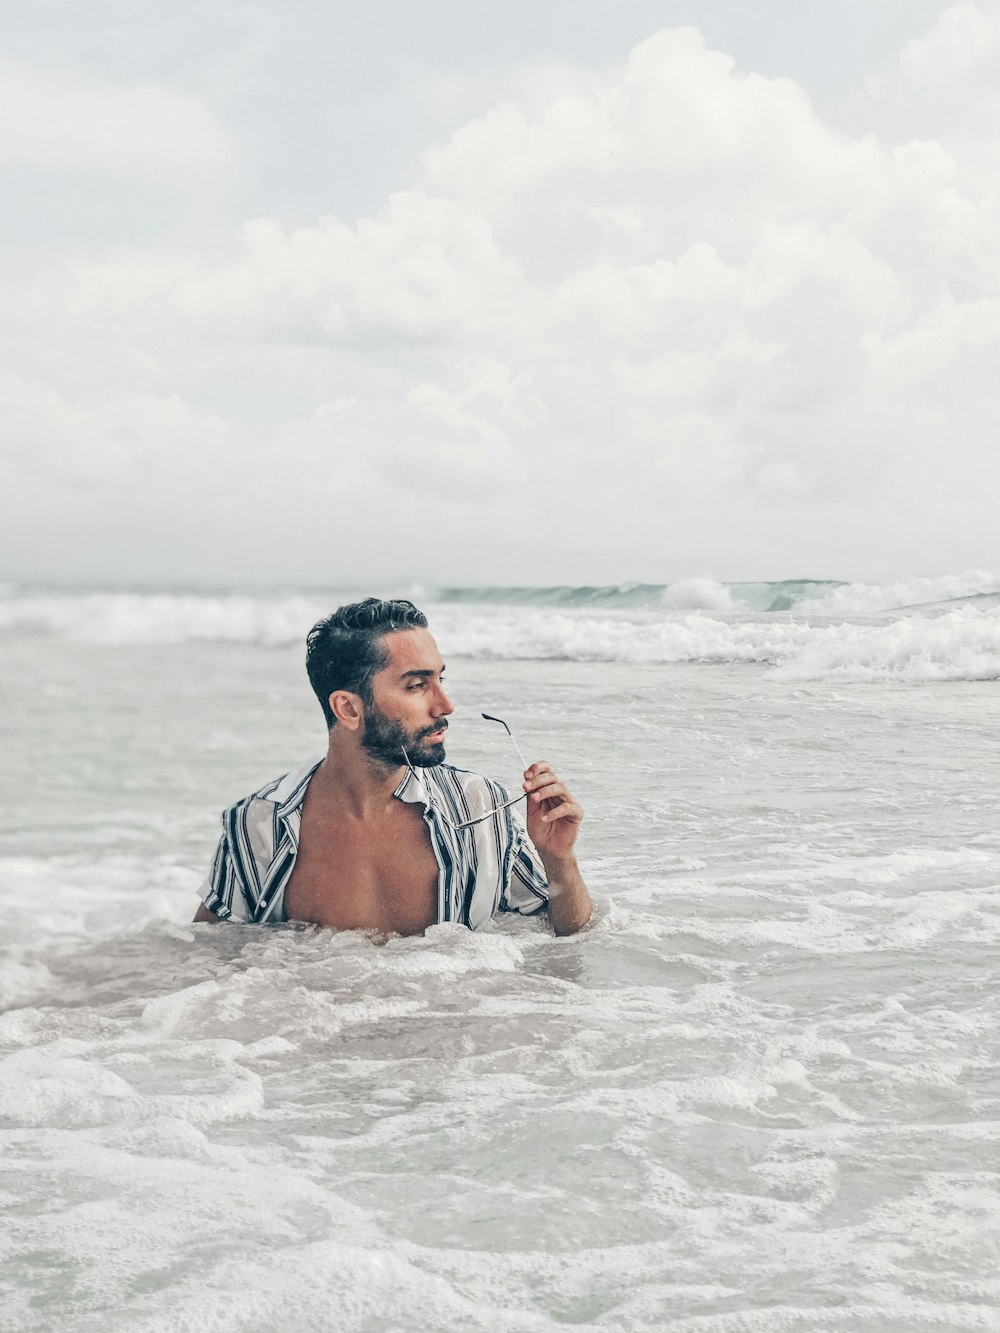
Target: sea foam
(958,645)
(850,632)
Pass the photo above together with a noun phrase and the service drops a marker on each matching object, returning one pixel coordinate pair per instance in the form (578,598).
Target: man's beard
(385,738)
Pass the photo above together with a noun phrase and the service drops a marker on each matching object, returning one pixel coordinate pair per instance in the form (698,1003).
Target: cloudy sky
(560,291)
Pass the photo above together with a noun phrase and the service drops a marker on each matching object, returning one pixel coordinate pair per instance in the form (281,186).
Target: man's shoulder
(285,791)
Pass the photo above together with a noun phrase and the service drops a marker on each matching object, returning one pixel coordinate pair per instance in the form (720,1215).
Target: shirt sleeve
(225,892)
(526,890)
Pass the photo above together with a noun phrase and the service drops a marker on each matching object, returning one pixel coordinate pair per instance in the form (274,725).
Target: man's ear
(347,709)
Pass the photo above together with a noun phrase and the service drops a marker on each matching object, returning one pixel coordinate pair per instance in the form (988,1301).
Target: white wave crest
(858,599)
(640,637)
(960,644)
(123,618)
(698,595)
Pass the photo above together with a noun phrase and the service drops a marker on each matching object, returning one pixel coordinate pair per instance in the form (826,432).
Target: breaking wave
(963,644)
(812,596)
(916,630)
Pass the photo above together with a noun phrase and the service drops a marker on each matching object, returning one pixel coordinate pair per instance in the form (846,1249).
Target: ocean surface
(760,1092)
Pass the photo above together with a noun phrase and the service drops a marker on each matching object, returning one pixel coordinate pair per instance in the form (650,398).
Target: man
(360,840)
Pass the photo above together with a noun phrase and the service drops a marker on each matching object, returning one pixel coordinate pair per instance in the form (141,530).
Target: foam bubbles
(826,637)
(698,594)
(863,598)
(696,621)
(960,645)
(126,618)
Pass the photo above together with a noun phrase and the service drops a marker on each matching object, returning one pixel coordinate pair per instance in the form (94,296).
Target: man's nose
(444,705)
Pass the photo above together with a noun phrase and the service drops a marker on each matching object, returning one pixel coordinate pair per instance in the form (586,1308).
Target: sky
(563,292)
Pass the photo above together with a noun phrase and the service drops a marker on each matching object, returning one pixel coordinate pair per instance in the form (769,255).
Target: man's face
(409,708)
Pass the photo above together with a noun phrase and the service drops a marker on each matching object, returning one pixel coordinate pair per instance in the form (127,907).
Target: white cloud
(111,445)
(962,47)
(945,87)
(421,267)
(730,365)
(947,357)
(54,119)
(464,444)
(695,452)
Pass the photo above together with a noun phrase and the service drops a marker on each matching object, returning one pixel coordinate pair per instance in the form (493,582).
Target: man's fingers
(568,810)
(547,792)
(543,787)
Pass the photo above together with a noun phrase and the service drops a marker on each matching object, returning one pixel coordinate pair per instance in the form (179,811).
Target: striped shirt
(489,868)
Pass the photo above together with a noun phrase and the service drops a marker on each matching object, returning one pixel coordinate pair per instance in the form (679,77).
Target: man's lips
(436,735)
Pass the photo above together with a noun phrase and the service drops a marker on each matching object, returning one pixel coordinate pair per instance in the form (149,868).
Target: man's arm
(570,907)
(554,820)
(224,895)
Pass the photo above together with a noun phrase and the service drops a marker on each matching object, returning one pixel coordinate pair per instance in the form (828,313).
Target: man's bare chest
(352,875)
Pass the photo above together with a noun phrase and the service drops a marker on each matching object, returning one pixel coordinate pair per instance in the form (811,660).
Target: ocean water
(759,1092)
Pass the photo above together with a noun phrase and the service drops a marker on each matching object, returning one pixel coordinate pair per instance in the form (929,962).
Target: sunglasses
(480,819)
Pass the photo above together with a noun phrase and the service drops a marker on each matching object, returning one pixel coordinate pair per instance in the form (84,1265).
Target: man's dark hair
(345,650)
